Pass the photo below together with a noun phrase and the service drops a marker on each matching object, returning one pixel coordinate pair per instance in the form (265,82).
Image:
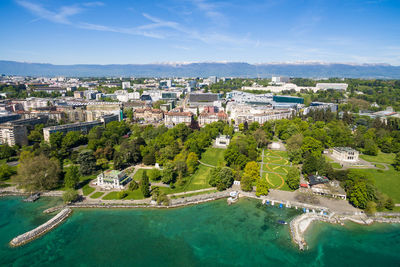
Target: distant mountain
(306,70)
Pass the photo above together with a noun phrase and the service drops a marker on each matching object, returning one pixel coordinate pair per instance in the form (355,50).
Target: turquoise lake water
(211,234)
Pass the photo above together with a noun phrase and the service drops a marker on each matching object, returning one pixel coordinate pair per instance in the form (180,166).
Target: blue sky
(139,32)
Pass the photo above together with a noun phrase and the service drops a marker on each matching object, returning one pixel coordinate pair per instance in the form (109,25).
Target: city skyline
(120,32)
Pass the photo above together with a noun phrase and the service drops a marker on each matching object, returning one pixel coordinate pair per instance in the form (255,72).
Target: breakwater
(42,229)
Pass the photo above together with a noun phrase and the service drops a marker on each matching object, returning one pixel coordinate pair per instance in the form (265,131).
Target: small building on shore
(111,179)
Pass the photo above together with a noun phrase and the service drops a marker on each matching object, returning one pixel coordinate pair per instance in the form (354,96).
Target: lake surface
(210,234)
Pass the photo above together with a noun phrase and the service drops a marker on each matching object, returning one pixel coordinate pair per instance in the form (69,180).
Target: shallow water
(210,234)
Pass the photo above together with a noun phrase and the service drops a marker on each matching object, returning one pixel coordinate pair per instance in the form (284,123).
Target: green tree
(70,195)
(312,146)
(396,162)
(145,185)
(72,177)
(370,147)
(246,184)
(38,173)
(389,204)
(222,178)
(262,187)
(6,151)
(168,173)
(252,170)
(192,161)
(122,194)
(87,162)
(154,174)
(370,207)
(293,178)
(6,171)
(133,185)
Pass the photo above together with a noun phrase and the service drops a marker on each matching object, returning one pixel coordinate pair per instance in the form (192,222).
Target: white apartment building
(13,134)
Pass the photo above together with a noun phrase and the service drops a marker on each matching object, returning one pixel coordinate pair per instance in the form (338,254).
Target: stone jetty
(42,229)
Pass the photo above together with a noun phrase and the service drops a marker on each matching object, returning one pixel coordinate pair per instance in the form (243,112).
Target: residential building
(49,90)
(177,116)
(148,115)
(79,94)
(84,127)
(210,115)
(6,116)
(279,79)
(13,134)
(126,85)
(346,154)
(113,179)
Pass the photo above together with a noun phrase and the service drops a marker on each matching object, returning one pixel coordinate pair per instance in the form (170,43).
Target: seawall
(40,230)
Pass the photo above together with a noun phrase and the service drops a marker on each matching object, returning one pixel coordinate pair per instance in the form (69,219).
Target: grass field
(213,156)
(336,165)
(138,175)
(111,196)
(387,182)
(276,179)
(135,194)
(86,189)
(381,157)
(97,195)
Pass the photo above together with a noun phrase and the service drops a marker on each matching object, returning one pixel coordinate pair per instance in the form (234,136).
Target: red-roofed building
(210,115)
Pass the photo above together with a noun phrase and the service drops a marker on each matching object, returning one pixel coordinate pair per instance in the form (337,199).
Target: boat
(282,222)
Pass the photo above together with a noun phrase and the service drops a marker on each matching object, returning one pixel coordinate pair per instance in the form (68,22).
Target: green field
(381,157)
(336,165)
(388,182)
(276,181)
(97,195)
(276,168)
(87,190)
(275,153)
(111,196)
(138,175)
(135,194)
(213,156)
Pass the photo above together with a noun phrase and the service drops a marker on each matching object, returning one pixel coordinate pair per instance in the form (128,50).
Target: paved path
(191,192)
(208,165)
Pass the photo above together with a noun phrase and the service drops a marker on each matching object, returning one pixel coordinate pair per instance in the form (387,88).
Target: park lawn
(274,181)
(87,190)
(381,157)
(276,168)
(135,194)
(194,194)
(97,195)
(281,161)
(111,196)
(213,156)
(388,182)
(275,153)
(138,175)
(199,180)
(380,166)
(336,165)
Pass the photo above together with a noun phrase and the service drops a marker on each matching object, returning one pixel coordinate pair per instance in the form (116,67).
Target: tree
(261,137)
(38,173)
(72,176)
(133,185)
(389,204)
(87,162)
(252,170)
(70,195)
(149,159)
(262,187)
(222,178)
(370,147)
(293,178)
(154,174)
(6,172)
(370,207)
(191,162)
(145,185)
(246,184)
(168,173)
(312,146)
(396,162)
(6,151)
(122,194)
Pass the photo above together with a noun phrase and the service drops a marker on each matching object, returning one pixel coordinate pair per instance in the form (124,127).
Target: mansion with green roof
(113,179)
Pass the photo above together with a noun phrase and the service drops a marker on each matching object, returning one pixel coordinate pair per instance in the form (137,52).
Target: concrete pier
(40,230)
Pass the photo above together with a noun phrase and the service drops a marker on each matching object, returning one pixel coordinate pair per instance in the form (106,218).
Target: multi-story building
(126,85)
(95,112)
(261,114)
(177,116)
(148,115)
(113,179)
(332,86)
(84,127)
(211,114)
(13,134)
(346,154)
